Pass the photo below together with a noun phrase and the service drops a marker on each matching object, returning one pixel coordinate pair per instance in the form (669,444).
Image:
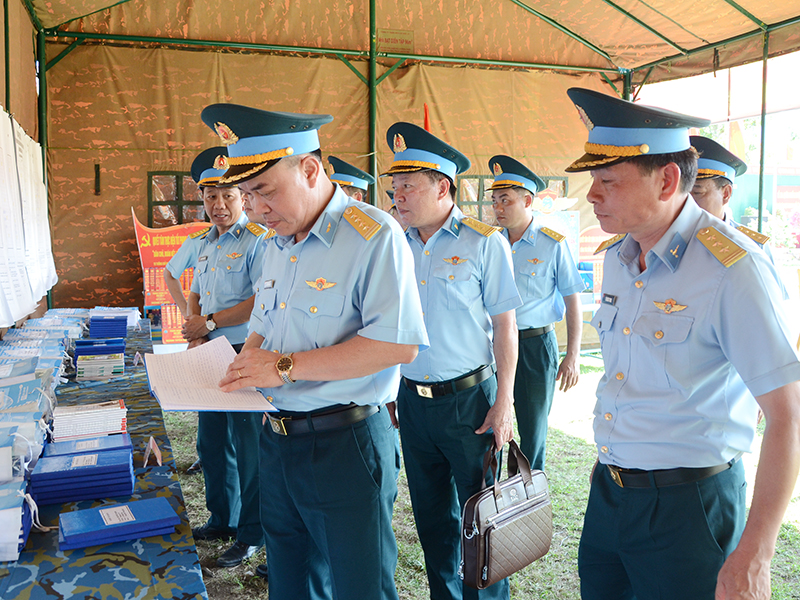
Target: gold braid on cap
(260,158)
(579,164)
(711,173)
(415,164)
(615,151)
(206,181)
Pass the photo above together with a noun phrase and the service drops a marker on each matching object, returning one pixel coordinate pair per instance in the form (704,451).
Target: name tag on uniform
(202,258)
(269,284)
(609,299)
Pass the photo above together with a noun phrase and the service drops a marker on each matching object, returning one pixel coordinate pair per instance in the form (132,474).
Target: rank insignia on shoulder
(756,236)
(610,242)
(454,260)
(233,255)
(270,233)
(669,306)
(365,225)
(320,283)
(255,228)
(479,226)
(553,234)
(200,233)
(721,247)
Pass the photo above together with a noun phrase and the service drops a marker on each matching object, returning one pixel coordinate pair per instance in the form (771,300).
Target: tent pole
(627,77)
(763,130)
(373,102)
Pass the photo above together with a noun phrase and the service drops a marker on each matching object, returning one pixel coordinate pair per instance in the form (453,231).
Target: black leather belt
(297,423)
(445,388)
(635,478)
(535,331)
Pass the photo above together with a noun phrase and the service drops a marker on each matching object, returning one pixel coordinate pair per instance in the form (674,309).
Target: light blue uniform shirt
(227,269)
(686,345)
(545,273)
(464,278)
(767,250)
(185,257)
(330,287)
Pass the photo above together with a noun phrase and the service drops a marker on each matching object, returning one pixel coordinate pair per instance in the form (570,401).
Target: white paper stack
(89,420)
(15,520)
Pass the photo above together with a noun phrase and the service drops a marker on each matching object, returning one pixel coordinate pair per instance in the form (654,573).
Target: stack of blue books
(15,520)
(117,523)
(88,476)
(98,444)
(100,358)
(105,326)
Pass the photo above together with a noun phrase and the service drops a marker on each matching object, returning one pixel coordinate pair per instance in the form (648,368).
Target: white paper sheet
(190,380)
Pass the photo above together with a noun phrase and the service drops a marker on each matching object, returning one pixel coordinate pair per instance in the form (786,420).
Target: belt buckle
(278,426)
(615,475)
(425,391)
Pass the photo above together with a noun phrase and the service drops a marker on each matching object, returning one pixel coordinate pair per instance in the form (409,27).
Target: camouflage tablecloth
(154,567)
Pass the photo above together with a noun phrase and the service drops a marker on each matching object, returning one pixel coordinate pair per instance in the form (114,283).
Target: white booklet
(190,380)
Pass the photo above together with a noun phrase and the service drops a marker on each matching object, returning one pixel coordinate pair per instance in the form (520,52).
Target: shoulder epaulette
(255,228)
(200,233)
(610,242)
(757,237)
(553,234)
(479,226)
(365,225)
(724,249)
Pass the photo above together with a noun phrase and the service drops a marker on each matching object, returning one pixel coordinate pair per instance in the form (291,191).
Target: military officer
(675,408)
(354,182)
(230,255)
(450,403)
(336,312)
(548,281)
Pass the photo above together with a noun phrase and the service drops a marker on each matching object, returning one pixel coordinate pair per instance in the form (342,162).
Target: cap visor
(589,162)
(239,173)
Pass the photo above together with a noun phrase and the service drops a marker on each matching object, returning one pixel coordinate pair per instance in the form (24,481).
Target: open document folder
(190,380)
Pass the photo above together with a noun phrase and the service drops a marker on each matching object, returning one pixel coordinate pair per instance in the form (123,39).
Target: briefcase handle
(517,462)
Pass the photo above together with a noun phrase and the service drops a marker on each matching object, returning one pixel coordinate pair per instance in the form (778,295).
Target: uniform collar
(236,230)
(452,225)
(327,223)
(672,245)
(529,235)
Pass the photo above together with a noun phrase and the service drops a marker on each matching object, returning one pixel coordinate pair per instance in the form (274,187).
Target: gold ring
(239,373)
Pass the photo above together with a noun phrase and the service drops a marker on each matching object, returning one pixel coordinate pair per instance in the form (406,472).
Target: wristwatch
(284,366)
(210,323)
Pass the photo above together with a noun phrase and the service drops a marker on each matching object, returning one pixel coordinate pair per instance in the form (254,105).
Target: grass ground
(554,577)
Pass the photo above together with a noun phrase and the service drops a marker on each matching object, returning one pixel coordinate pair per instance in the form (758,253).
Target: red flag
(427,124)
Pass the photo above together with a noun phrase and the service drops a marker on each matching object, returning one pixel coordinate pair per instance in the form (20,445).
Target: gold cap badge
(585,118)
(399,143)
(225,134)
(498,170)
(221,163)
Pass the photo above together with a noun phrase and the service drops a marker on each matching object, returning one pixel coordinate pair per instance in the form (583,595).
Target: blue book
(130,518)
(65,545)
(69,485)
(120,491)
(17,393)
(98,444)
(82,465)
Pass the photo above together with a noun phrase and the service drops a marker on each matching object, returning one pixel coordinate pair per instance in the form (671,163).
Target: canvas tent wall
(127,80)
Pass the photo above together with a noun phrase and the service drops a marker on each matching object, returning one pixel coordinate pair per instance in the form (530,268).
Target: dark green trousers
(534,387)
(227,444)
(327,501)
(444,465)
(659,543)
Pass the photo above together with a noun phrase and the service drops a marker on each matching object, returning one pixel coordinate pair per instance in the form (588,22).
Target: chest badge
(454,260)
(535,261)
(669,306)
(320,283)
(234,255)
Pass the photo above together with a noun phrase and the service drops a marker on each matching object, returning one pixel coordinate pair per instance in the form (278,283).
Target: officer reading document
(336,312)
(694,339)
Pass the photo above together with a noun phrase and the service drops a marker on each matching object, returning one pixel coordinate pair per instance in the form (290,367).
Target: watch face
(284,363)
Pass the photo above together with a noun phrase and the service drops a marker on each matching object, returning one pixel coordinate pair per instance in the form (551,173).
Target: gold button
(627,331)
(269,398)
(258,289)
(451,277)
(283,304)
(312,310)
(213,269)
(533,273)
(513,252)
(620,376)
(427,253)
(659,335)
(422,282)
(604,449)
(638,284)
(208,293)
(427,376)
(293,259)
(218,246)
(229,267)
(608,416)
(262,307)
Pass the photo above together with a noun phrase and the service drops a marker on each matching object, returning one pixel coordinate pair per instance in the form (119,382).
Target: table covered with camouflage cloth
(154,567)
